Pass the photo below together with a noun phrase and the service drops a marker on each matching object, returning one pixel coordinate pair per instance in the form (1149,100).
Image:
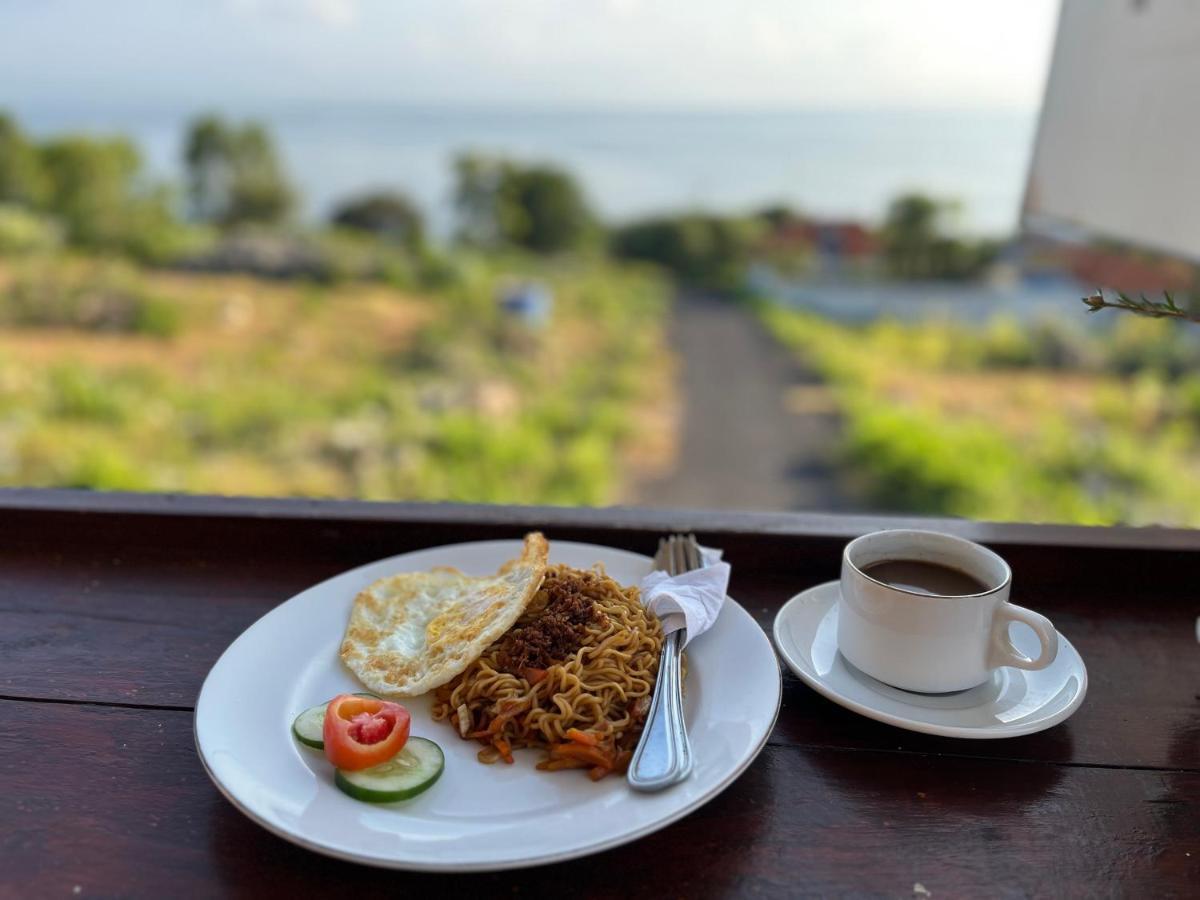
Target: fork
(664,755)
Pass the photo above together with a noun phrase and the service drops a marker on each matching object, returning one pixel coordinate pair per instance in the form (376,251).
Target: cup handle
(1003,651)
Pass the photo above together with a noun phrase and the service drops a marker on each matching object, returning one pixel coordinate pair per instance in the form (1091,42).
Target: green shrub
(156,316)
(79,393)
(250,409)
(1138,344)
(23,232)
(106,468)
(705,250)
(1007,344)
(254,416)
(1130,461)
(104,298)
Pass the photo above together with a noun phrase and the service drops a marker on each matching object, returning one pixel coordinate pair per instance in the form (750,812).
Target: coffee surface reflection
(925,578)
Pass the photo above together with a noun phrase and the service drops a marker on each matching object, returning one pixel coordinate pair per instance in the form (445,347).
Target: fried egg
(412,632)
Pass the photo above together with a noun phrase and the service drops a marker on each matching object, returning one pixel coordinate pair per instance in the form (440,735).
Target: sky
(542,54)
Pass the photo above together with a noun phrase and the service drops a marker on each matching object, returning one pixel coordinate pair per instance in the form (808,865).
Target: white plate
(1013,702)
(476,817)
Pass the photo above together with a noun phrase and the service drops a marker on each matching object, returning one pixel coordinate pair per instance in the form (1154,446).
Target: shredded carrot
(597,772)
(582,737)
(592,755)
(505,750)
(496,726)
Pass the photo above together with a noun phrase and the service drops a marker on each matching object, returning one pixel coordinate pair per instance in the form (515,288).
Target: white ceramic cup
(932,643)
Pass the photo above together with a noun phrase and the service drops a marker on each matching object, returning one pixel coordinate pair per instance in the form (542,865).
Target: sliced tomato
(361,732)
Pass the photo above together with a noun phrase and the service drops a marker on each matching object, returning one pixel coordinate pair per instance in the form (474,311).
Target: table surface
(113,608)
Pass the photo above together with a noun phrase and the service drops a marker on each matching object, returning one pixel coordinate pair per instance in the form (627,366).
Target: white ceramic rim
(523,862)
(822,688)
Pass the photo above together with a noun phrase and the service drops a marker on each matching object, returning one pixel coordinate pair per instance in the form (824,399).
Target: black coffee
(925,577)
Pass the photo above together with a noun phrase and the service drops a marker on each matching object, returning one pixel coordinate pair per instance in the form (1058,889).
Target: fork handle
(664,754)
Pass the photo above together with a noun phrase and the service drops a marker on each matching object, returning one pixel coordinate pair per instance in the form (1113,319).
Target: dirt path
(759,432)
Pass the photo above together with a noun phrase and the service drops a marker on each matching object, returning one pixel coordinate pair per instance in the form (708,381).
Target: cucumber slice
(309,726)
(411,771)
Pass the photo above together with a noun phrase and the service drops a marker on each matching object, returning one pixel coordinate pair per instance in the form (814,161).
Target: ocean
(827,163)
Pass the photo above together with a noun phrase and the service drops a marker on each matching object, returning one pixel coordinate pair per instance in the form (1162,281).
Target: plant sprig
(1166,308)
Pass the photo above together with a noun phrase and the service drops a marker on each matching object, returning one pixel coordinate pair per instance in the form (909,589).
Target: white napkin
(691,600)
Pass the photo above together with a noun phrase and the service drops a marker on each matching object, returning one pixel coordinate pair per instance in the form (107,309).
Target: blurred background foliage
(234,175)
(1012,422)
(502,203)
(920,241)
(205,341)
(116,378)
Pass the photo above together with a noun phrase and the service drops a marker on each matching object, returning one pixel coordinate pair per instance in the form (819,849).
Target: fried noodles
(573,676)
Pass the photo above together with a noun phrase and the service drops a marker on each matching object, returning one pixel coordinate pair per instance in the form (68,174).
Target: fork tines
(678,553)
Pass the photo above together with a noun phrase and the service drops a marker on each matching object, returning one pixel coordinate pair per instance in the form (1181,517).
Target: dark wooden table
(113,608)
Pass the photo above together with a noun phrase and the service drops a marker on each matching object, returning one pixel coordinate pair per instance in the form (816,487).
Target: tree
(94,188)
(917,243)
(387,214)
(500,202)
(22,178)
(910,230)
(779,216)
(706,250)
(478,199)
(206,156)
(234,174)
(556,216)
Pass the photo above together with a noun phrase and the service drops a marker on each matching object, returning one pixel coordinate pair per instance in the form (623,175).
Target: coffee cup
(896,625)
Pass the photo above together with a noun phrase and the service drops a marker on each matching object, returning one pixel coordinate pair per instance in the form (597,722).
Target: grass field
(1010,422)
(120,378)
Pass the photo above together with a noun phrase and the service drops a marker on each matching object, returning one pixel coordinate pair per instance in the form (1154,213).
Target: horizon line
(270,107)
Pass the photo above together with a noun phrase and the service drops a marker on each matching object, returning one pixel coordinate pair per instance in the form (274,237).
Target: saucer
(1011,703)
